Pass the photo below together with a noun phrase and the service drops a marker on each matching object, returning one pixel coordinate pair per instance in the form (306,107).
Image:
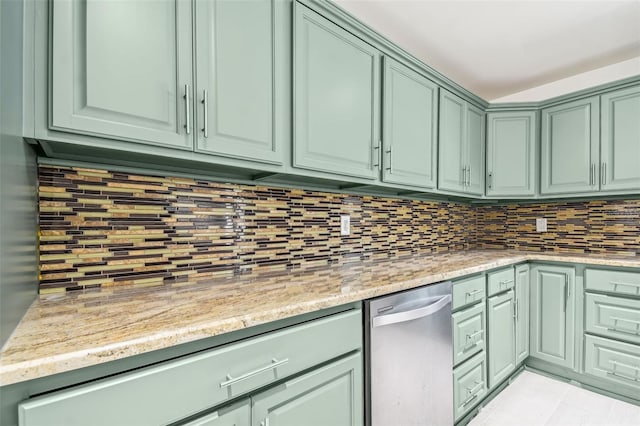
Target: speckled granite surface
(115,323)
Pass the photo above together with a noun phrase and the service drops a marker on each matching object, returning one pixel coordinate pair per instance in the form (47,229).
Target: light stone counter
(81,329)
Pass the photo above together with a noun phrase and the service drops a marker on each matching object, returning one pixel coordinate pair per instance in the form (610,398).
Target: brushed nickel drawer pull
(473,293)
(187,109)
(623,376)
(205,103)
(274,364)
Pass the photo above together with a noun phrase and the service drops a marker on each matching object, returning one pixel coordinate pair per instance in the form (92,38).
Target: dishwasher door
(408,340)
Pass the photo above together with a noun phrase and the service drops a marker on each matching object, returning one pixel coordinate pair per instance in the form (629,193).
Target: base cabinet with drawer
(612,328)
(326,350)
(469,344)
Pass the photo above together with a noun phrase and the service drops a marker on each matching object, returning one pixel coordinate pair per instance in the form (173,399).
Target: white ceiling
(498,49)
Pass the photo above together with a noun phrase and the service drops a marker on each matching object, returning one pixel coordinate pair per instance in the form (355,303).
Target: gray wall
(18,202)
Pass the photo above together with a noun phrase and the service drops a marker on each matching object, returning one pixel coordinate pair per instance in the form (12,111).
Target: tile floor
(533,399)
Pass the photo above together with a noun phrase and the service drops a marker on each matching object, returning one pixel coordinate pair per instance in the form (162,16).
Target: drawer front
(468,291)
(622,282)
(174,390)
(468,332)
(614,317)
(469,384)
(615,361)
(501,280)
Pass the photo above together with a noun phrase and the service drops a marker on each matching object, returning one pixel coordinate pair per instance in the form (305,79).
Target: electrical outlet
(345,225)
(541,224)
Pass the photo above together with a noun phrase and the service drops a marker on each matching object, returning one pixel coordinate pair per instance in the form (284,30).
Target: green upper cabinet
(511,154)
(570,144)
(410,113)
(240,91)
(461,145)
(122,70)
(336,98)
(620,149)
(552,314)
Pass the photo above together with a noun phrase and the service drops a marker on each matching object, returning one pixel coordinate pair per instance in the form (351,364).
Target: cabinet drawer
(621,282)
(468,332)
(614,317)
(501,280)
(615,361)
(469,384)
(171,391)
(468,291)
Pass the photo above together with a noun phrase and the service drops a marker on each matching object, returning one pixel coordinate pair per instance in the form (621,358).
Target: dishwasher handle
(412,314)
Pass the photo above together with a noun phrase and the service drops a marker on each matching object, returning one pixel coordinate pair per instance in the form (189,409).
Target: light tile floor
(533,399)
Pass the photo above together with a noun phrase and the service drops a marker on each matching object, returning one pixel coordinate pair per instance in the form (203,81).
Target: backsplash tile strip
(611,227)
(103,228)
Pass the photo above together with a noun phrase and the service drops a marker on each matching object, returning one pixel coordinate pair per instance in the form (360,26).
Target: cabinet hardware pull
(468,175)
(389,152)
(274,363)
(603,174)
(464,176)
(623,376)
(205,103)
(617,283)
(464,404)
(566,295)
(517,309)
(187,109)
(616,329)
(474,334)
(616,363)
(473,293)
(490,180)
(376,159)
(476,388)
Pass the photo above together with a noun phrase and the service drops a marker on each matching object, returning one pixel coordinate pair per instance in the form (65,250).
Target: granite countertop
(81,329)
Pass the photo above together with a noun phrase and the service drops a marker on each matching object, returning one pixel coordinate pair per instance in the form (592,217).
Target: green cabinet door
(238,92)
(552,314)
(475,135)
(620,145)
(511,154)
(522,313)
(123,70)
(336,98)
(410,113)
(451,143)
(501,327)
(330,395)
(570,144)
(238,414)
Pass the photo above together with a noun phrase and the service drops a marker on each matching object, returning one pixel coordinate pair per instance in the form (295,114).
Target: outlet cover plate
(541,224)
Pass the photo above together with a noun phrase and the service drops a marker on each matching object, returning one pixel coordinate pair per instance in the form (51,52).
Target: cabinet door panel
(475,150)
(451,155)
(119,70)
(410,123)
(502,351)
(621,140)
(330,395)
(511,153)
(235,415)
(552,323)
(235,69)
(336,99)
(522,313)
(570,147)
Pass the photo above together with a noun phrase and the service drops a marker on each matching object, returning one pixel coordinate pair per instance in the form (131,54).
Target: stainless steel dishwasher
(408,340)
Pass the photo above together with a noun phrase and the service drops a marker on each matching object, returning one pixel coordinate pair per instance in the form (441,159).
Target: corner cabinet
(336,85)
(552,314)
(410,122)
(461,146)
(511,154)
(620,144)
(113,77)
(570,147)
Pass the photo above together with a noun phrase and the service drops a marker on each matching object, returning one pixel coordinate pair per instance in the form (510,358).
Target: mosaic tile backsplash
(104,228)
(577,227)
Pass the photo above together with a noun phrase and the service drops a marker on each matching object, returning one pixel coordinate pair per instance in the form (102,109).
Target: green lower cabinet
(468,332)
(522,312)
(616,362)
(469,384)
(330,395)
(552,314)
(502,336)
(238,414)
